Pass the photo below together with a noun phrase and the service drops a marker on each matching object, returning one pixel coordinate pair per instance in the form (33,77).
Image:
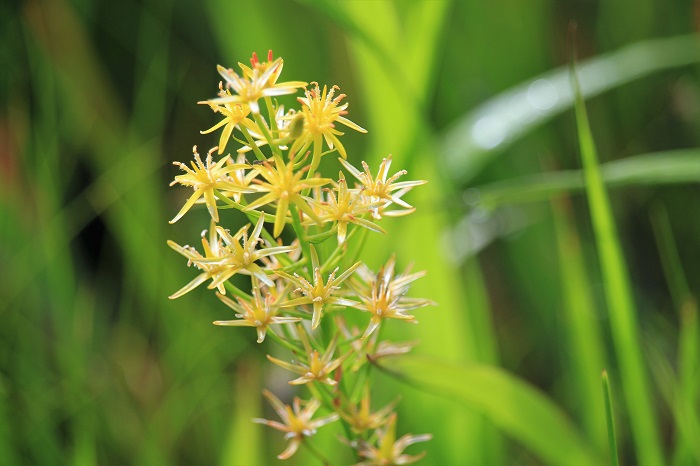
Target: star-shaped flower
(383,191)
(213,250)
(226,255)
(257,312)
(317,368)
(318,294)
(321,111)
(205,178)
(234,114)
(296,421)
(361,418)
(347,207)
(384,295)
(283,186)
(257,82)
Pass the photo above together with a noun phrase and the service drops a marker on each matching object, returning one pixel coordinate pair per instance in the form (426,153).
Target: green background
(541,283)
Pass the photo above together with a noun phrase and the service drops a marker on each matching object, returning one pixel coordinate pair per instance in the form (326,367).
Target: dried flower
(296,421)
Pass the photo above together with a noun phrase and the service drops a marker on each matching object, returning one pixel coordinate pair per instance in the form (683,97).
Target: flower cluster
(302,293)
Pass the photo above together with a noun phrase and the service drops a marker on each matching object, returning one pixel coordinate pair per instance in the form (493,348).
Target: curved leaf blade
(514,406)
(475,139)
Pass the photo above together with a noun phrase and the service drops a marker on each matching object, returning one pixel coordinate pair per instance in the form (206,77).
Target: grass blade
(612,441)
(586,347)
(685,397)
(623,319)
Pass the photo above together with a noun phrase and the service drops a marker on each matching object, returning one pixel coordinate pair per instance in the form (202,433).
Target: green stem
(234,290)
(272,115)
(320,237)
(315,162)
(338,252)
(266,134)
(360,244)
(251,214)
(362,376)
(251,143)
(316,453)
(299,230)
(290,346)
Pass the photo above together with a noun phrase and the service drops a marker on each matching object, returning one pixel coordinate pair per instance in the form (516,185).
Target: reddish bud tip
(269,55)
(254,60)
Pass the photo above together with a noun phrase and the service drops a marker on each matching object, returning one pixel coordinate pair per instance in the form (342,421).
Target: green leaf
(660,168)
(514,406)
(473,140)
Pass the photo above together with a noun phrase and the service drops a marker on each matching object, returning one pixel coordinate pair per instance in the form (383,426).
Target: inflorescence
(301,293)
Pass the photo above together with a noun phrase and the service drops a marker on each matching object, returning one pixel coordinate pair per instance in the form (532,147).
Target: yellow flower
(205,178)
(258,312)
(362,419)
(234,114)
(283,186)
(389,451)
(347,207)
(242,253)
(321,110)
(318,368)
(256,83)
(226,255)
(318,294)
(213,249)
(382,192)
(296,421)
(383,295)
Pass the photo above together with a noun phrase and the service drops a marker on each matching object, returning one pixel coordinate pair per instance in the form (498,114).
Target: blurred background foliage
(97,99)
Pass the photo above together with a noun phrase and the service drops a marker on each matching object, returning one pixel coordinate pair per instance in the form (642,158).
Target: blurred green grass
(97,366)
